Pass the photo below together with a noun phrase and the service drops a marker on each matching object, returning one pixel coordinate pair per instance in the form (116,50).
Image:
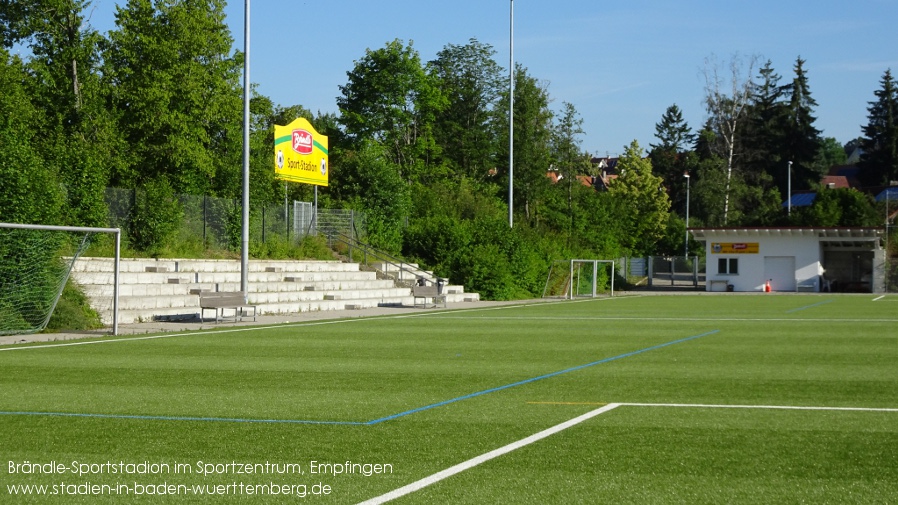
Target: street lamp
(511,119)
(789,190)
(686,241)
(244,238)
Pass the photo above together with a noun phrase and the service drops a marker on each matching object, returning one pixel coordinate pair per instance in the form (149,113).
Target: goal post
(578,278)
(34,271)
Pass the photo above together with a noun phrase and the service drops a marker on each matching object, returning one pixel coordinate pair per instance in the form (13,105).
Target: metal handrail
(384,257)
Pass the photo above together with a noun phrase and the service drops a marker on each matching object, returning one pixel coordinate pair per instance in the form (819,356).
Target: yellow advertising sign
(734,248)
(300,153)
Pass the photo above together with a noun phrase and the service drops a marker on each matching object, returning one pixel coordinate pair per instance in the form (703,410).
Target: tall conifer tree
(879,161)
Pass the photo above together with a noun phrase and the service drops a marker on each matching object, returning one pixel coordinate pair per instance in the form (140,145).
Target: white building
(794,259)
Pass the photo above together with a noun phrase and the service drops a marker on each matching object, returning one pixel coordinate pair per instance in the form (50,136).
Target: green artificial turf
(427,390)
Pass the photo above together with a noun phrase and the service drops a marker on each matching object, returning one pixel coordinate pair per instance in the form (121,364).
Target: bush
(155,217)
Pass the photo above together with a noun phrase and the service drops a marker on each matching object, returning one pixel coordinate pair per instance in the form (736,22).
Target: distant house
(839,177)
(605,170)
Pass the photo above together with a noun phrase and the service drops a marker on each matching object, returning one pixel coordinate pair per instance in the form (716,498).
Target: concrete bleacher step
(169,289)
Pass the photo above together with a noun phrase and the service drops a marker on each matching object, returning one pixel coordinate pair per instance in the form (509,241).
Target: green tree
(642,195)
(371,183)
(29,192)
(879,162)
(762,141)
(569,160)
(390,100)
(532,139)
(801,139)
(670,159)
(727,95)
(839,207)
(78,130)
(465,128)
(177,93)
(832,153)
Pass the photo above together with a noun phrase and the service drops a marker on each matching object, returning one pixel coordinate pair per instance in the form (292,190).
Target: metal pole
(511,122)
(286,213)
(244,254)
(115,288)
(789,189)
(686,241)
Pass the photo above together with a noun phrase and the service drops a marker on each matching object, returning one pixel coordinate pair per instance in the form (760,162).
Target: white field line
(461,467)
(759,407)
(446,315)
(281,326)
(471,463)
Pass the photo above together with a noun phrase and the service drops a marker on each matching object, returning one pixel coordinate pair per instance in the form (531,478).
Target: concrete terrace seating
(169,288)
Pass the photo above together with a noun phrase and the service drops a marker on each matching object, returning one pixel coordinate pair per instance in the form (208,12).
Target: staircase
(169,289)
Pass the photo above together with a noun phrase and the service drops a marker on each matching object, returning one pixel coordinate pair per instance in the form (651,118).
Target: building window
(728,266)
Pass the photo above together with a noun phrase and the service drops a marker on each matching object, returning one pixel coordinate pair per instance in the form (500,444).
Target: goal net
(571,279)
(35,263)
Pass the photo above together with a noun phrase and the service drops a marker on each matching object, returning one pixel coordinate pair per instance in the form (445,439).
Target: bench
(428,292)
(221,301)
(724,283)
(807,285)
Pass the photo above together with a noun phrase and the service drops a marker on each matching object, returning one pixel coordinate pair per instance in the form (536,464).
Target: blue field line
(180,418)
(799,309)
(534,379)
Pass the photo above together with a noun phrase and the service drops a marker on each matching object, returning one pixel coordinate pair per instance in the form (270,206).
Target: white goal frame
(570,294)
(117,232)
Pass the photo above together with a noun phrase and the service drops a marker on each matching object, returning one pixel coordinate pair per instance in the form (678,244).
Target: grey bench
(222,301)
(425,293)
(716,282)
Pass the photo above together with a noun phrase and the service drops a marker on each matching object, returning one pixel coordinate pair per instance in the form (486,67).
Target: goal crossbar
(117,232)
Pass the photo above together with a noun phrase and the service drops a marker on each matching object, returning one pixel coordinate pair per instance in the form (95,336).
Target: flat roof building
(794,259)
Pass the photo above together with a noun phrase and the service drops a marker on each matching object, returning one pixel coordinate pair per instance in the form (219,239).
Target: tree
(464,129)
(569,160)
(177,93)
(669,157)
(532,138)
(77,127)
(879,161)
(726,108)
(371,183)
(801,139)
(29,192)
(839,207)
(390,100)
(673,133)
(642,195)
(762,142)
(831,153)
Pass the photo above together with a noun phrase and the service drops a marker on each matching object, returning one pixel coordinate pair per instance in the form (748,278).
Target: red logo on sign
(302,141)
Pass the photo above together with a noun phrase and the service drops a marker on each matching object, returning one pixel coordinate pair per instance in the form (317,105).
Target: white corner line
(461,467)
(760,407)
(880,298)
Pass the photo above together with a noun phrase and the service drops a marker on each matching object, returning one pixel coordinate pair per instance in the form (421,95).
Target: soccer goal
(35,264)
(571,279)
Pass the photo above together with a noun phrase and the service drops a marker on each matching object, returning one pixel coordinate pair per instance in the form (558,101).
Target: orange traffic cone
(767,286)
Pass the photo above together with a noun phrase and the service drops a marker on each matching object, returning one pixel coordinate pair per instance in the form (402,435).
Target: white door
(780,270)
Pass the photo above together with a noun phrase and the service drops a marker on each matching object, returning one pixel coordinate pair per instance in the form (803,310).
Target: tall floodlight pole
(789,190)
(511,121)
(686,241)
(244,255)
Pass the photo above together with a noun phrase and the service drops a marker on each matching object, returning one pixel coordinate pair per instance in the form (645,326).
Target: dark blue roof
(801,200)
(890,193)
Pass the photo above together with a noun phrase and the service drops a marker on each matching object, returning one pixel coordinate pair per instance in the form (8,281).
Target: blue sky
(621,64)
